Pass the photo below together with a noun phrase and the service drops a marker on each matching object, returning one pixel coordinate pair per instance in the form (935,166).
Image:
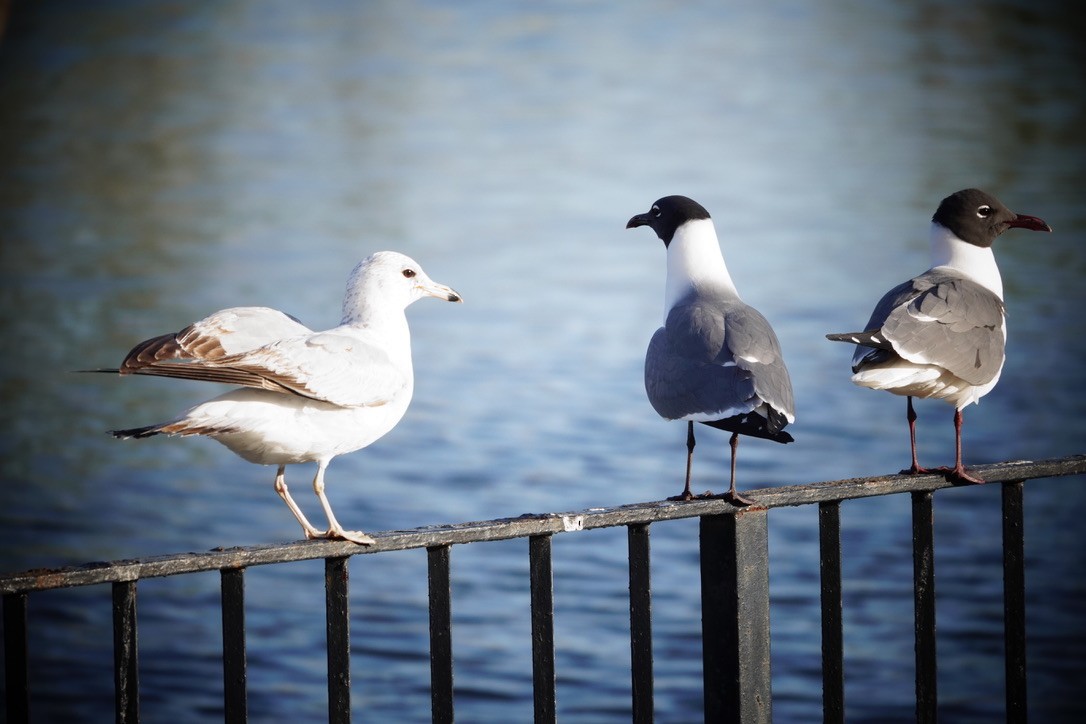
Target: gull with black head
(716,360)
(942,334)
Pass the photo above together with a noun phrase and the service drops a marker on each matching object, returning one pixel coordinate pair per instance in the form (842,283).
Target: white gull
(305,396)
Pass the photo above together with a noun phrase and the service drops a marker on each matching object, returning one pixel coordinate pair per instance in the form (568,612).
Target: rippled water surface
(159,161)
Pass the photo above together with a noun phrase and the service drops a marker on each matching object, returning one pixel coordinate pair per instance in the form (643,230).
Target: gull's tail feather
(755,425)
(873,338)
(136,432)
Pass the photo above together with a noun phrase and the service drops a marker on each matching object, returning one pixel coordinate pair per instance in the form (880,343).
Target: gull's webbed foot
(959,476)
(354,536)
(736,499)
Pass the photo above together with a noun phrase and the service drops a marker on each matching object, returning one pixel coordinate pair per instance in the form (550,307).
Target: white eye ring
(984,211)
(656,211)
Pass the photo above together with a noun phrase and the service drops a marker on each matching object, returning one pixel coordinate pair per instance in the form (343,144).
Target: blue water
(159,161)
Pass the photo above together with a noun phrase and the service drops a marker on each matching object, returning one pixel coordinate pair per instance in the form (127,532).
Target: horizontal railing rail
(735,597)
(523,526)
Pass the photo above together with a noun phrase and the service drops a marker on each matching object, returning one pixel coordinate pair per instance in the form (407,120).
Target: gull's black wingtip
(873,338)
(135,432)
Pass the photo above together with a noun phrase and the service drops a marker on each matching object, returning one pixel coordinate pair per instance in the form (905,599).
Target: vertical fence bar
(735,616)
(718,660)
(542,587)
(833,676)
(16,659)
(640,623)
(125,653)
(233,646)
(1014,601)
(338,626)
(441,657)
(924,605)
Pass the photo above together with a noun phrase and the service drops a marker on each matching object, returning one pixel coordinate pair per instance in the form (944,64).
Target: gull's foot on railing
(733,497)
(958,475)
(354,536)
(686,495)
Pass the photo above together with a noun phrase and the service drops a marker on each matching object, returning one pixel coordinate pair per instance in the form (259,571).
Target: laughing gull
(305,396)
(942,334)
(716,360)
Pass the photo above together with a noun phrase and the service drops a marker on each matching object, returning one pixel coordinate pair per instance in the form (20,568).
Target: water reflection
(160,162)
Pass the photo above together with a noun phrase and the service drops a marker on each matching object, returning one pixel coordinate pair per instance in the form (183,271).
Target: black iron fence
(734,583)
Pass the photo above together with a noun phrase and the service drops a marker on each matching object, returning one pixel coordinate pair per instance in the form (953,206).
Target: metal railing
(734,581)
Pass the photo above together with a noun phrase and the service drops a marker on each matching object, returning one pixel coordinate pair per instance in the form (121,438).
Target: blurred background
(162,160)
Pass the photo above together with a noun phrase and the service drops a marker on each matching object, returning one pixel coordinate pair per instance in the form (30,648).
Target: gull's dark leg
(686,494)
(915,469)
(732,496)
(957,474)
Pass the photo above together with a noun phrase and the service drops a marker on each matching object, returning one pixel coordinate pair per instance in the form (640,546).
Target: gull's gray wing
(716,356)
(939,318)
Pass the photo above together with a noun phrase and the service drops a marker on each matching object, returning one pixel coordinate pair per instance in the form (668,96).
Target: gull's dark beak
(639,220)
(1024,221)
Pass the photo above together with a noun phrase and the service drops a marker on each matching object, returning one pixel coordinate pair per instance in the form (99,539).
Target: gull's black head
(978,218)
(668,214)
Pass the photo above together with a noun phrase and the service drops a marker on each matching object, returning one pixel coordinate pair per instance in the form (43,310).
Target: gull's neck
(694,261)
(382,324)
(975,262)
(387,320)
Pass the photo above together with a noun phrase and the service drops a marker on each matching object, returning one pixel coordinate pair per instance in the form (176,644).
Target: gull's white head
(389,280)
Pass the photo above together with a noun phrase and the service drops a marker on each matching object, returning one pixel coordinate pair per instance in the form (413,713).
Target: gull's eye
(984,211)
(656,211)
(409,273)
